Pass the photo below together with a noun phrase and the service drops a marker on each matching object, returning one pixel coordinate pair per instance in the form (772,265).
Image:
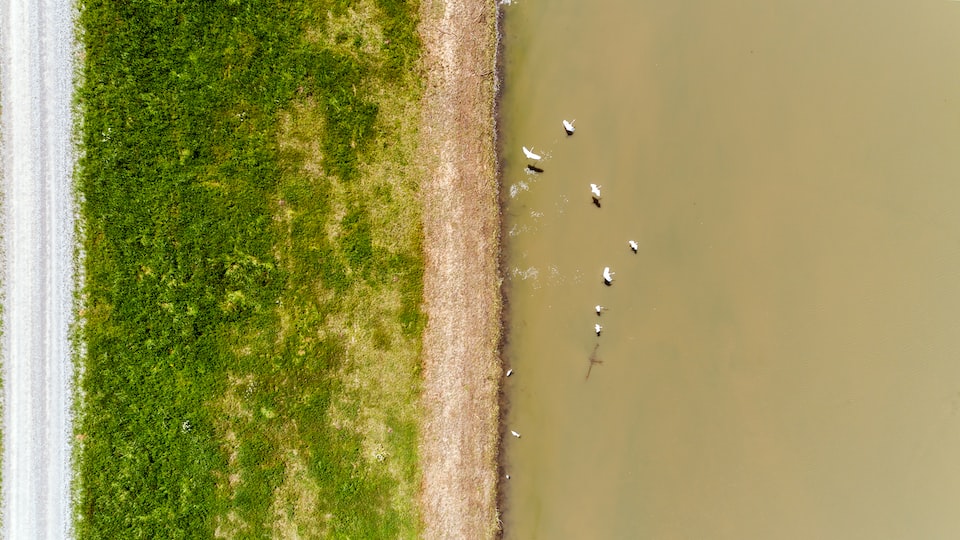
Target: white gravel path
(36,44)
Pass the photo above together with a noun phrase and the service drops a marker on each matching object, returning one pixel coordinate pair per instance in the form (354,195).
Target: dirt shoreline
(460,433)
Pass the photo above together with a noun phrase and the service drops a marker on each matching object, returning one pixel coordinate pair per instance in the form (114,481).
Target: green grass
(251,306)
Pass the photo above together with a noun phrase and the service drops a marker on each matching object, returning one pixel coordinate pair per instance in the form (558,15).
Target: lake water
(781,358)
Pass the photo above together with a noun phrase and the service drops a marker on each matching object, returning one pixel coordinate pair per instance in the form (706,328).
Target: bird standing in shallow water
(633,245)
(607,276)
(595,192)
(568,127)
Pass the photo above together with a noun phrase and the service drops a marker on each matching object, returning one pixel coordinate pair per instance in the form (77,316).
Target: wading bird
(607,276)
(633,245)
(568,127)
(531,155)
(599,309)
(598,328)
(595,191)
(515,434)
(509,372)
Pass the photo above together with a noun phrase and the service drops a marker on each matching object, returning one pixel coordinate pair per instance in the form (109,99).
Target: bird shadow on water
(534,168)
(593,361)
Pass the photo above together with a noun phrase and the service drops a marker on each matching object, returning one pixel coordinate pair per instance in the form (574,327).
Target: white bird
(531,155)
(568,127)
(599,308)
(509,372)
(515,434)
(598,328)
(607,275)
(633,245)
(508,477)
(595,189)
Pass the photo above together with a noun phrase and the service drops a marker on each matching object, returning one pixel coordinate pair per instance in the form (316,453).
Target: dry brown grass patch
(353,32)
(459,437)
(296,506)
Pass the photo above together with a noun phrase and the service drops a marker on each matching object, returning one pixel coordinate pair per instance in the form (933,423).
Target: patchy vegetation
(253,261)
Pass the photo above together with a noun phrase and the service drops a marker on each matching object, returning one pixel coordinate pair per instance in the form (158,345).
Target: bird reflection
(593,360)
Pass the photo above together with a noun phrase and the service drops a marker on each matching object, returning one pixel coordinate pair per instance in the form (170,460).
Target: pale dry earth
(461,369)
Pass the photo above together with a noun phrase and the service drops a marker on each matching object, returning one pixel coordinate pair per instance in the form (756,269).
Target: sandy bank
(458,445)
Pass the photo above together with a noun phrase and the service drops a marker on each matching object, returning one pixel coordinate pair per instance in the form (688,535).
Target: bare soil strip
(37,157)
(462,372)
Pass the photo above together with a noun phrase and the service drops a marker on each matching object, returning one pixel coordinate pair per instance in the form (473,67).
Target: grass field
(253,269)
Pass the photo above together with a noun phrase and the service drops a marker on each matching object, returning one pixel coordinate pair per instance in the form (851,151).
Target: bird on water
(595,193)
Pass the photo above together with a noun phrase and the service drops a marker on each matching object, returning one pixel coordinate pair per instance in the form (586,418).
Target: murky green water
(781,358)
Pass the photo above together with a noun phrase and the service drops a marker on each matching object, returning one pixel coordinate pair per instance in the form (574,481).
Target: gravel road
(36,43)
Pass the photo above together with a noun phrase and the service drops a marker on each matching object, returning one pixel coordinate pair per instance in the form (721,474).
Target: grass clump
(251,308)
